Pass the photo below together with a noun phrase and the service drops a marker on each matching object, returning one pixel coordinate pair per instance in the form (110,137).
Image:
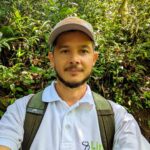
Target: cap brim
(67,27)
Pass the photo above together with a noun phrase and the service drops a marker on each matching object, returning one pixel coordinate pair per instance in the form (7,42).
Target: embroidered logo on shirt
(92,145)
(86,145)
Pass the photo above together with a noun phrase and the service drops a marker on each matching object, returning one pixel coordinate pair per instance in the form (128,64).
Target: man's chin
(72,84)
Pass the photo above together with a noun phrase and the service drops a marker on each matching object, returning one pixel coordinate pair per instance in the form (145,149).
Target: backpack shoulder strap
(106,120)
(34,113)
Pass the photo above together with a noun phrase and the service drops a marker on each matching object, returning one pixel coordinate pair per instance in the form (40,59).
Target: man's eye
(84,51)
(64,51)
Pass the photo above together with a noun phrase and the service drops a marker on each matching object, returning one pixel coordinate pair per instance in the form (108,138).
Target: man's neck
(70,95)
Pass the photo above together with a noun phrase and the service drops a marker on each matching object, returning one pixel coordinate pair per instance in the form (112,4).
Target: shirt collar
(88,97)
(50,95)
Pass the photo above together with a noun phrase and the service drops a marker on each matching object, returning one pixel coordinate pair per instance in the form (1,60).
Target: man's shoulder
(23,100)
(119,110)
(116,106)
(121,115)
(20,104)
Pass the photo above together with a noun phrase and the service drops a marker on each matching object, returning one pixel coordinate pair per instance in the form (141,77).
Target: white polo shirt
(69,127)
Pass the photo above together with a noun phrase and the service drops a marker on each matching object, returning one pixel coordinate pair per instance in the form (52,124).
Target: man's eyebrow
(85,46)
(63,46)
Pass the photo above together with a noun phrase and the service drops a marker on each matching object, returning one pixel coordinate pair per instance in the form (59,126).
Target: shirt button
(67,126)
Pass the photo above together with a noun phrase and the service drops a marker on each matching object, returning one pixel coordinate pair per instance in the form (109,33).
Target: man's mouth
(73,69)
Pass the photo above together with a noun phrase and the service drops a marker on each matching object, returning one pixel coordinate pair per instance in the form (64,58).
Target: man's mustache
(75,67)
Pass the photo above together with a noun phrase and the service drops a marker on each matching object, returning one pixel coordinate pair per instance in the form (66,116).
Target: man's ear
(95,57)
(51,58)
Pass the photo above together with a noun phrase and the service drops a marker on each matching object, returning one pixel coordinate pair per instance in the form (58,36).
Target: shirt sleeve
(127,132)
(11,124)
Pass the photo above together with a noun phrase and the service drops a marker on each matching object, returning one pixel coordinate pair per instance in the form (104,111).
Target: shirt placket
(67,137)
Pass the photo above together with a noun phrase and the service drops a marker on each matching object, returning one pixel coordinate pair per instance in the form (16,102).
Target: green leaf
(19,89)
(36,69)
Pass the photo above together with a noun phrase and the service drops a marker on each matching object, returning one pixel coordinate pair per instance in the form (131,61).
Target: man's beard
(72,84)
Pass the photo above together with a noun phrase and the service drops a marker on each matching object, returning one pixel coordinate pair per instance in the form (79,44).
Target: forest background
(122,31)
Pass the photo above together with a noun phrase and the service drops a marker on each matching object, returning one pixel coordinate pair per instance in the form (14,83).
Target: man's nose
(74,58)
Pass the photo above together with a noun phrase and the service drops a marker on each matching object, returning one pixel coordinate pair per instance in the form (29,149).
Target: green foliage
(122,34)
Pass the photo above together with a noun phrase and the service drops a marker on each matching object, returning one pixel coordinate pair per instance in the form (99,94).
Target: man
(70,121)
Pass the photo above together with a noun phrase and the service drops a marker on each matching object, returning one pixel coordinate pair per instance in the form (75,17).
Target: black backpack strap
(106,120)
(34,113)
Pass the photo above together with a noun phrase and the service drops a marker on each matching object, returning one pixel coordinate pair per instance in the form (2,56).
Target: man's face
(73,58)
